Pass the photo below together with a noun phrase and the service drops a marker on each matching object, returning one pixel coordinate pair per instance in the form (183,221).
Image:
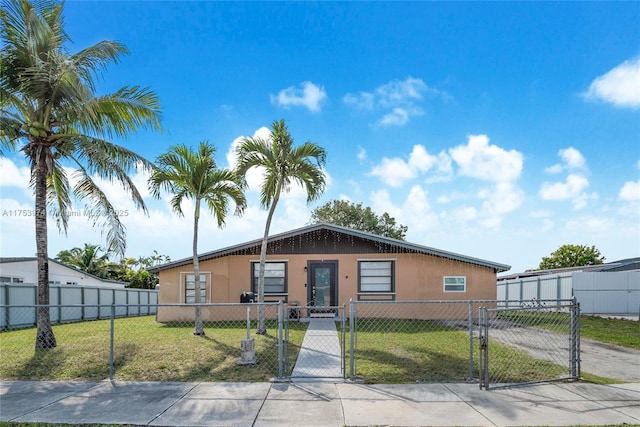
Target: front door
(323,283)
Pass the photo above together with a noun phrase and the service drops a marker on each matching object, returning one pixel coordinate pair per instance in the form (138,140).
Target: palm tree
(283,164)
(193,174)
(86,259)
(48,110)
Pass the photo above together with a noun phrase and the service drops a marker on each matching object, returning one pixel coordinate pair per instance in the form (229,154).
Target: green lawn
(387,351)
(144,350)
(410,351)
(621,332)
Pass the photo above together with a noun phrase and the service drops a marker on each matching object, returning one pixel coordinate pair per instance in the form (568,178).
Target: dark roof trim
(338,229)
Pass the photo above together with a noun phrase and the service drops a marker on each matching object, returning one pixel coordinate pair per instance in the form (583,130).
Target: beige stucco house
(327,265)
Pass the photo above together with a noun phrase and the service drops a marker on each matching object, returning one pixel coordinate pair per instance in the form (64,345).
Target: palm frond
(59,196)
(101,212)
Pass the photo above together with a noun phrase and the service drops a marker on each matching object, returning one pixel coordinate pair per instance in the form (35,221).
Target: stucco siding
(417,277)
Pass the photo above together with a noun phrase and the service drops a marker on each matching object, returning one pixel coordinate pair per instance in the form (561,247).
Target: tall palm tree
(282,165)
(193,174)
(49,111)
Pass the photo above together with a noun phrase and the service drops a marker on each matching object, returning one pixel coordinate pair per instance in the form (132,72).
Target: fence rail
(381,341)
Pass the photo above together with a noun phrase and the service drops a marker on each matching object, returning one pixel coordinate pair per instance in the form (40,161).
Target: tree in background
(87,259)
(572,256)
(347,214)
(49,111)
(282,165)
(193,174)
(131,270)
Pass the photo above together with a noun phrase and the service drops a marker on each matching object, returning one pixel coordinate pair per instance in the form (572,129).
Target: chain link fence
(380,342)
(413,341)
(160,347)
(538,341)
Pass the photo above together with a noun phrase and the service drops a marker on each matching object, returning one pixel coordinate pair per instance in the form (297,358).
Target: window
(190,288)
(455,284)
(275,277)
(8,279)
(376,276)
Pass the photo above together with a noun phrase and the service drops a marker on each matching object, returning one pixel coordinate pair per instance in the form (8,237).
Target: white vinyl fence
(612,293)
(92,303)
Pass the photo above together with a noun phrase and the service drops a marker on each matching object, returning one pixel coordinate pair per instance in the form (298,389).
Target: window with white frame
(454,284)
(275,277)
(376,276)
(190,288)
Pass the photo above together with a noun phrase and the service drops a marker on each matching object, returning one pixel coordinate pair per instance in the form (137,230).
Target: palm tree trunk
(44,336)
(199,330)
(263,258)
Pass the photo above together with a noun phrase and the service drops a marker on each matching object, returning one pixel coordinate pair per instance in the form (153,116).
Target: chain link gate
(322,353)
(544,335)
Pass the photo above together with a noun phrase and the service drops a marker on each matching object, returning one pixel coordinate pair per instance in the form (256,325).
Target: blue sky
(500,130)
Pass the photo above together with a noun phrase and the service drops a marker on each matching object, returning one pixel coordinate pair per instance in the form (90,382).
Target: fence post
(280,340)
(575,339)
(344,340)
(113,316)
(470,377)
(352,339)
(483,328)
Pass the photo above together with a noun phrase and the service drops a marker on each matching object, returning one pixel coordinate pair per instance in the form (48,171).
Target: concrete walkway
(320,356)
(317,404)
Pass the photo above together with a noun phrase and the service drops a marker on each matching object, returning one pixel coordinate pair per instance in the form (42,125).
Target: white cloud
(619,86)
(414,212)
(307,95)
(362,153)
(397,117)
(12,175)
(396,171)
(575,184)
(571,159)
(630,191)
(573,188)
(478,159)
(398,100)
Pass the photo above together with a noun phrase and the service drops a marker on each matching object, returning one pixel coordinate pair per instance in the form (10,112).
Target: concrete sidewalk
(316,404)
(320,355)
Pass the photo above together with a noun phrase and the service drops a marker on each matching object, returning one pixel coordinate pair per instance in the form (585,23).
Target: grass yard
(625,333)
(410,351)
(144,350)
(621,332)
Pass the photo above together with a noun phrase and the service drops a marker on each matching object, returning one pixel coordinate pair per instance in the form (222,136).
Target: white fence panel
(608,293)
(16,297)
(597,292)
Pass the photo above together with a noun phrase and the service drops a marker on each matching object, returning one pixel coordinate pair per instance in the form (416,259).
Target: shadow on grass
(57,363)
(416,365)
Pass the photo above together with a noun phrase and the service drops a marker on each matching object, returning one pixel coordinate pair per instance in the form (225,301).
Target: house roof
(6,260)
(384,244)
(628,264)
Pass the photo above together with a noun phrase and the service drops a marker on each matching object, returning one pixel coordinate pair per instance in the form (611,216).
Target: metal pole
(486,349)
(470,377)
(344,339)
(352,340)
(248,322)
(480,347)
(113,316)
(280,341)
